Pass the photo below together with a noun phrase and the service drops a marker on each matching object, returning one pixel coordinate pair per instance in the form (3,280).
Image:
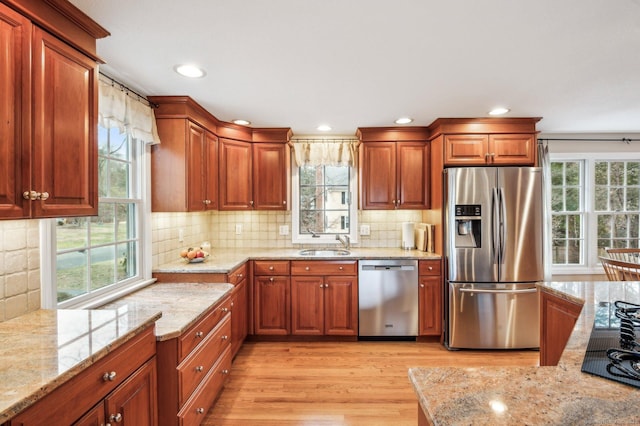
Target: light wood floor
(356,383)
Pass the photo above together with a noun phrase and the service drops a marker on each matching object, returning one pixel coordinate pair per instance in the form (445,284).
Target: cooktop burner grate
(612,351)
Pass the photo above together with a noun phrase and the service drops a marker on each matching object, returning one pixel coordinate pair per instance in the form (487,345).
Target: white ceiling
(360,63)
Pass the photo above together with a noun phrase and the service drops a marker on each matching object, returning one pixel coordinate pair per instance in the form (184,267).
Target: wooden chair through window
(619,270)
(631,255)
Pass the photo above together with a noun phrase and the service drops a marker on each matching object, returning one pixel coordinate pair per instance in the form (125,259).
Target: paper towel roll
(408,236)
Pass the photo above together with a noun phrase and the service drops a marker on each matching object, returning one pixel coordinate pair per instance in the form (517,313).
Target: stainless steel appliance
(388,298)
(494,251)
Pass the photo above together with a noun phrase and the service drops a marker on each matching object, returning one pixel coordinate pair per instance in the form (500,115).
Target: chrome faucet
(345,240)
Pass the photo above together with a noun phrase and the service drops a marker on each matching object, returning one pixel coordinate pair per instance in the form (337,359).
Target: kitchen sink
(325,252)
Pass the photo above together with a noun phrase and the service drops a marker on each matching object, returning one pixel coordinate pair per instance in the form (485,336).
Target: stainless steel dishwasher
(388,298)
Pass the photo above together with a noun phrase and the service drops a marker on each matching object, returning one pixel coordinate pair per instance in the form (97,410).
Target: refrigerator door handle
(495,225)
(503,224)
(476,290)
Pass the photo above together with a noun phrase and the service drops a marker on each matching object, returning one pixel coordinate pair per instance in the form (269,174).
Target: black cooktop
(613,351)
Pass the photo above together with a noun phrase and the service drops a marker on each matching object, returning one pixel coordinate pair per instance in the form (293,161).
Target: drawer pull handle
(200,410)
(199,368)
(271,268)
(116,417)
(199,334)
(225,371)
(109,377)
(225,337)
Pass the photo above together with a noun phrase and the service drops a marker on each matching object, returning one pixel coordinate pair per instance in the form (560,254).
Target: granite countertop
(222,261)
(536,395)
(43,349)
(182,304)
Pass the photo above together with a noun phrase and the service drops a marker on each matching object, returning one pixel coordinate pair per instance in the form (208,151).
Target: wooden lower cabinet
(128,396)
(239,308)
(324,305)
(193,366)
(271,297)
(430,297)
(558,317)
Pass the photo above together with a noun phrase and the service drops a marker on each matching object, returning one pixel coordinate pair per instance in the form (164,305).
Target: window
(323,205)
(98,255)
(567,203)
(595,204)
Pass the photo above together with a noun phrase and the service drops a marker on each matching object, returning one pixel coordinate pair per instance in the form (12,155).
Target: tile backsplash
(259,229)
(19,267)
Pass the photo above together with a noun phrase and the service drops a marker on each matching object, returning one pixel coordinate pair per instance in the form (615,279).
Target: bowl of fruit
(194,255)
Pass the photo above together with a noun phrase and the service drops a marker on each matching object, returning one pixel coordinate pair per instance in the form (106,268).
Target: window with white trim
(98,255)
(595,205)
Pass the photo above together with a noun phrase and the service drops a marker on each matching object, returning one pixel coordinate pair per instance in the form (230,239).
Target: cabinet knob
(240,276)
(271,279)
(321,285)
(200,369)
(116,417)
(340,268)
(34,195)
(422,285)
(109,376)
(200,410)
(251,203)
(430,268)
(225,310)
(199,334)
(284,203)
(271,268)
(225,337)
(307,268)
(225,371)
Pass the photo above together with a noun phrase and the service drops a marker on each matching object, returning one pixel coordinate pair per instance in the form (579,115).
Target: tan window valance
(327,152)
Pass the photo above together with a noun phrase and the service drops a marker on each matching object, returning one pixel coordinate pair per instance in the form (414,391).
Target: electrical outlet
(180,235)
(238,229)
(365,230)
(284,229)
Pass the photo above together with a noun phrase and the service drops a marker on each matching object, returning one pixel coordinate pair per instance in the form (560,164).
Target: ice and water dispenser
(468,225)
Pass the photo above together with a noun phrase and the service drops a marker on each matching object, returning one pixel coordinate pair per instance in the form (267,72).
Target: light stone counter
(225,260)
(41,350)
(182,304)
(561,395)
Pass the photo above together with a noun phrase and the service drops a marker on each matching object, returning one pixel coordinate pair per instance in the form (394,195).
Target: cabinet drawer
(90,386)
(195,367)
(311,267)
(196,408)
(271,267)
(199,331)
(429,267)
(238,274)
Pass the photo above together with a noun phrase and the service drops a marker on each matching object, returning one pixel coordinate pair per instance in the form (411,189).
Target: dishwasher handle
(476,290)
(388,267)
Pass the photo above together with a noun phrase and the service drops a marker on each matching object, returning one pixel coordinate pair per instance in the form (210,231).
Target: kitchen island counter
(535,395)
(223,261)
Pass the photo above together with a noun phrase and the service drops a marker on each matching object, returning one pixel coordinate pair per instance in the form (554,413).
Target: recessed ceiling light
(404,120)
(242,122)
(190,70)
(324,128)
(499,111)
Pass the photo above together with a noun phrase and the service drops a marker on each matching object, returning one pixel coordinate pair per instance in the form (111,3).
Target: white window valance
(129,115)
(316,152)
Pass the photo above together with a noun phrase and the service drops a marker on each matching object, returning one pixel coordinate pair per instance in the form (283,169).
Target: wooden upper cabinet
(184,167)
(489,149)
(65,129)
(235,175)
(395,175)
(49,113)
(270,183)
(15,102)
(253,175)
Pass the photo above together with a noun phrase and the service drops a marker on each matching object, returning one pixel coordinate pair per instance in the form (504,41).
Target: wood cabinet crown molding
(63,19)
(483,125)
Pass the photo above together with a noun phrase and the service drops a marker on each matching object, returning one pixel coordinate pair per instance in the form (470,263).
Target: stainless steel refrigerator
(494,252)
